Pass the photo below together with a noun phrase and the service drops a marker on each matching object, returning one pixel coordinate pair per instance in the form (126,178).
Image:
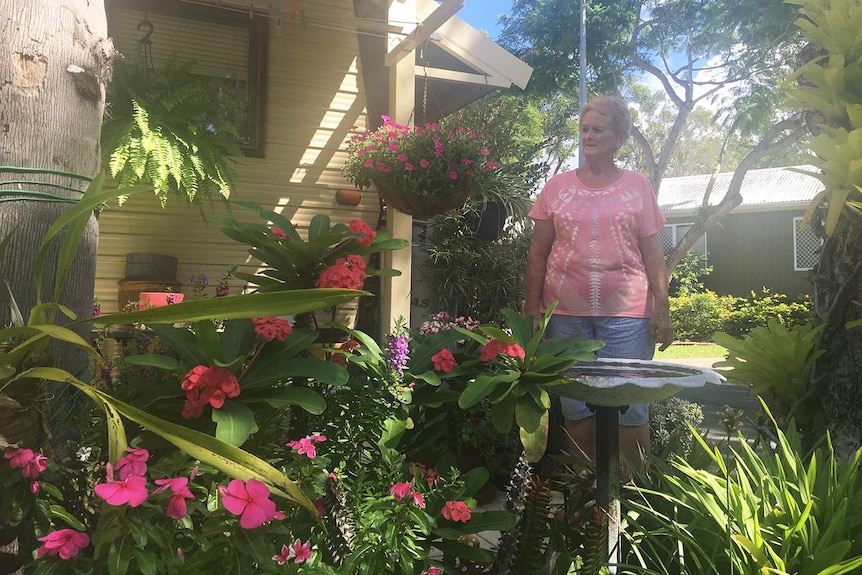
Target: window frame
(675,237)
(258,53)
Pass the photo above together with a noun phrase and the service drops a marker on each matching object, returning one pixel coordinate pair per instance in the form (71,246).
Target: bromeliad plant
(333,256)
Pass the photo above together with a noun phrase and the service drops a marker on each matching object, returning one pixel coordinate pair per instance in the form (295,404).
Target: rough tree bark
(54,64)
(838,300)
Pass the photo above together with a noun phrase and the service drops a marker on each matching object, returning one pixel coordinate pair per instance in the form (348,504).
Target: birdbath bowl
(609,386)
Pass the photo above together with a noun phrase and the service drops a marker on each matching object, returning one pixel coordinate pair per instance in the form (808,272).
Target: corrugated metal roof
(760,188)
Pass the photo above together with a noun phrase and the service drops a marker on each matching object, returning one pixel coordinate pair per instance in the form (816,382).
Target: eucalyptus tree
(729,54)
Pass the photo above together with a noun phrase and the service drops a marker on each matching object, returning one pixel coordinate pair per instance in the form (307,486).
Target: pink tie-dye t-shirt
(595,266)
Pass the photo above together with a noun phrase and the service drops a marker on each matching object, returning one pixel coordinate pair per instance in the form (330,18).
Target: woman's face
(598,138)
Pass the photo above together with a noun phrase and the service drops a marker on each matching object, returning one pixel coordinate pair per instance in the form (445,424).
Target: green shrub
(687,276)
(668,425)
(755,310)
(696,316)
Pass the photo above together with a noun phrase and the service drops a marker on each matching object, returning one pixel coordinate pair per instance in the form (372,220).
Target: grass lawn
(688,350)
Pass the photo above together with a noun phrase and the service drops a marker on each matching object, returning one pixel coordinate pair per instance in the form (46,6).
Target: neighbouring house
(760,244)
(314,74)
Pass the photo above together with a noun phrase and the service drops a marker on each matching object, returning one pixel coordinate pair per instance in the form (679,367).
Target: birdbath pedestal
(609,386)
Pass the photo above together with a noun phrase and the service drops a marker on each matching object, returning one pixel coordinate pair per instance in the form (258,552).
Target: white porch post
(396,290)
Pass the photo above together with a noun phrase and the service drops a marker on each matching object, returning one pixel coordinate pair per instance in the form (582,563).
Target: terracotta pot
(159,298)
(130,290)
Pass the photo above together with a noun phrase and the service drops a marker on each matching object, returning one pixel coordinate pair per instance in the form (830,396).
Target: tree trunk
(55,62)
(837,375)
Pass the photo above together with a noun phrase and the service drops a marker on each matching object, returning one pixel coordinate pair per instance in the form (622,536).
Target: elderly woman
(596,251)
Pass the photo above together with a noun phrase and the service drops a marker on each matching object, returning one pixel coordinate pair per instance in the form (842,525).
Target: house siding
(751,251)
(313,102)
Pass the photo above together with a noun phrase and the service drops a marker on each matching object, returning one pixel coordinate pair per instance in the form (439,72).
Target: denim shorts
(624,337)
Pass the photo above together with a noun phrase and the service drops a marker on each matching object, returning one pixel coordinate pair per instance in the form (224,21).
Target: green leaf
(484,384)
(208,340)
(60,512)
(234,307)
(317,370)
(237,339)
(182,342)
(147,562)
(234,422)
(536,442)
(119,556)
(156,360)
(278,397)
(528,414)
(503,414)
(462,550)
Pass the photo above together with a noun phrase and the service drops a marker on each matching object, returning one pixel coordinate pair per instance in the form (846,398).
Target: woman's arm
(537,258)
(656,270)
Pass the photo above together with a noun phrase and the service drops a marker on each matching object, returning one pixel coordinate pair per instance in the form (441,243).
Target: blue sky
(482,14)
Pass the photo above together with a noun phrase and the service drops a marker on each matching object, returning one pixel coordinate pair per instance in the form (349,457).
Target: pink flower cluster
(456,511)
(360,227)
(250,501)
(444,361)
(270,328)
(432,571)
(63,542)
(495,347)
(429,475)
(207,385)
(441,321)
(31,464)
(305,446)
(298,551)
(179,487)
(346,273)
(401,490)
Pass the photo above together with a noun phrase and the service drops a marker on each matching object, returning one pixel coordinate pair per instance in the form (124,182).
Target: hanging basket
(419,205)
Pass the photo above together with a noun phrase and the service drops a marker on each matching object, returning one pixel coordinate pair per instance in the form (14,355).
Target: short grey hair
(614,108)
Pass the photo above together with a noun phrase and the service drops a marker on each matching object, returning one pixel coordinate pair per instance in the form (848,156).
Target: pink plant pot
(158,298)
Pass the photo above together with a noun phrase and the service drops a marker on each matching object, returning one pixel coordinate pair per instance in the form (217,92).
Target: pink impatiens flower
(134,462)
(31,464)
(457,511)
(432,571)
(400,490)
(298,551)
(251,501)
(132,490)
(63,542)
(305,446)
(176,508)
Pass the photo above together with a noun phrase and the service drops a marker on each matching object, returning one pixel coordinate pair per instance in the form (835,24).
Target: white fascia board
(475,49)
(428,24)
(462,77)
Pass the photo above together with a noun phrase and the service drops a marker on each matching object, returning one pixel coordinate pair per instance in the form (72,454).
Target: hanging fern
(167,127)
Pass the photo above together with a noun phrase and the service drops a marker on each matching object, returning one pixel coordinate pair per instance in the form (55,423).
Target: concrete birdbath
(609,386)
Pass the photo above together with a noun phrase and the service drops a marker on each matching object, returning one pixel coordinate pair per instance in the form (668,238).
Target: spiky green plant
(779,512)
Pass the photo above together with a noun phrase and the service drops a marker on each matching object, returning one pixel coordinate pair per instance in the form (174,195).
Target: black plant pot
(490,222)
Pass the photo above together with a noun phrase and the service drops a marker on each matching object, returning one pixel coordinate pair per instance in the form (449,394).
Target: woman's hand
(661,327)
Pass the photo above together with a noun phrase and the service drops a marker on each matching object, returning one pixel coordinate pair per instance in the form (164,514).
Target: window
(228,49)
(806,246)
(670,235)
